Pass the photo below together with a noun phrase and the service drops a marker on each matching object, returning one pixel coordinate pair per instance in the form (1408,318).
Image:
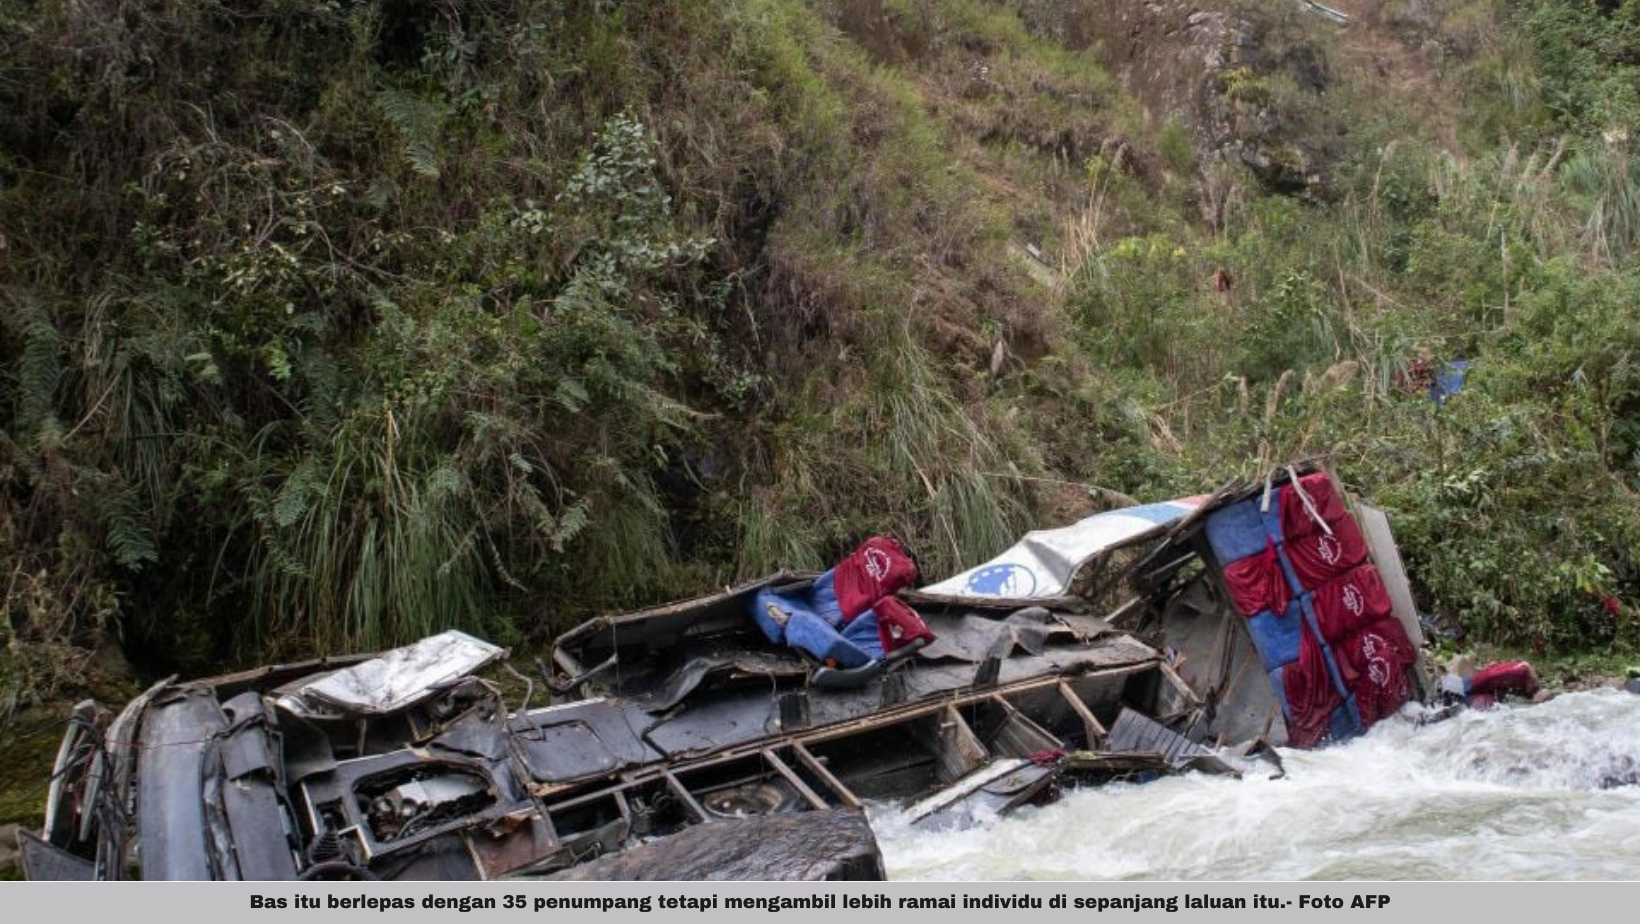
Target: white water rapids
(1528,792)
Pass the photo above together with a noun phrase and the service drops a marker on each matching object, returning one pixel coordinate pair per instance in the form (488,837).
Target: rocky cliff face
(1241,78)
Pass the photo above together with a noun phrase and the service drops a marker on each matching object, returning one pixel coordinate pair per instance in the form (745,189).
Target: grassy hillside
(323,325)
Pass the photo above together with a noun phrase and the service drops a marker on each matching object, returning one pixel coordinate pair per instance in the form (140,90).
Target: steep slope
(356,319)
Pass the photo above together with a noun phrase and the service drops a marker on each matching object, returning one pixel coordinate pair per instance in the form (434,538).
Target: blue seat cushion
(1346,722)
(809,634)
(1236,532)
(862,632)
(823,599)
(1276,637)
(772,612)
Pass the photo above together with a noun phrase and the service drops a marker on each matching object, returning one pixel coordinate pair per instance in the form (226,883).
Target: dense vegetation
(325,324)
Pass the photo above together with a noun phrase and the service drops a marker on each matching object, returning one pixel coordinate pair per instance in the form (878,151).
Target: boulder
(10,857)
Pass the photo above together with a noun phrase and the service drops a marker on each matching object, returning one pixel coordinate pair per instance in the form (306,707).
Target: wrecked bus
(741,734)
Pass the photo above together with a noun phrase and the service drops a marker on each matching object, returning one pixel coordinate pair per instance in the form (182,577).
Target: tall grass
(362,320)
(929,447)
(1604,174)
(366,541)
(1511,502)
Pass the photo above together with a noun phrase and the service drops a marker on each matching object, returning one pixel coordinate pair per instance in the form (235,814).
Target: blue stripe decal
(1165,512)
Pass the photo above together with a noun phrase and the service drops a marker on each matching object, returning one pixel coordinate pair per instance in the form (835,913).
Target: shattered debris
(1123,647)
(396,680)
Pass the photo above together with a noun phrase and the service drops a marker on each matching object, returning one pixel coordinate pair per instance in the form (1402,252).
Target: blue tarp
(1449,380)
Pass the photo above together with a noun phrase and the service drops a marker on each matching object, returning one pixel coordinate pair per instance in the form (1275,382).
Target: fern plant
(418,121)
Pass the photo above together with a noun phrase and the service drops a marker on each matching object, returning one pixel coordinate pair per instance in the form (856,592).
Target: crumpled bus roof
(1043,562)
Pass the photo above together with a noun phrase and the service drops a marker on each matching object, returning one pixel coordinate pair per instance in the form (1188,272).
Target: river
(1527,792)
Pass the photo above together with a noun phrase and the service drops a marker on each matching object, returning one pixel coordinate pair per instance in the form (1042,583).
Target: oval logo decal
(1006,580)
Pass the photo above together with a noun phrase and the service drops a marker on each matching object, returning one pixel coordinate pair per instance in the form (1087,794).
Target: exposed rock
(831,845)
(1247,85)
(113,664)
(10,856)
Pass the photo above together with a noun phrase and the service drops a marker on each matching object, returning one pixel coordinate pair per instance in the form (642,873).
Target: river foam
(1530,792)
